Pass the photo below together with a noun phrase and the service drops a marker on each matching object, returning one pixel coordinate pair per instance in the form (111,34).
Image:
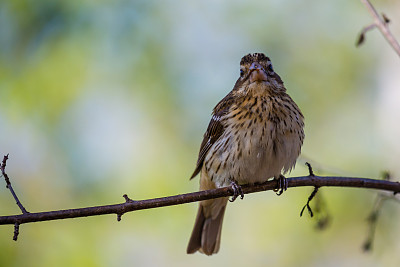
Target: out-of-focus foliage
(102,98)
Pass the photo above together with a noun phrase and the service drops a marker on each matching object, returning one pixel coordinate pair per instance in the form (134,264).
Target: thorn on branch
(16,231)
(385,18)
(314,192)
(127,199)
(310,170)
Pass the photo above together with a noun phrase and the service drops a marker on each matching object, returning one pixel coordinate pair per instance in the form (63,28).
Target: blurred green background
(102,98)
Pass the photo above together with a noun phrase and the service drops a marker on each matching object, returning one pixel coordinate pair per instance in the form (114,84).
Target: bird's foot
(282,185)
(237,190)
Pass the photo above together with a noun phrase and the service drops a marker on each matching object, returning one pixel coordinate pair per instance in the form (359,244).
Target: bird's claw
(282,185)
(237,190)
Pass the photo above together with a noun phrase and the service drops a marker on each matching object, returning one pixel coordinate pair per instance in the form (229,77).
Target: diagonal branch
(131,205)
(8,184)
(374,215)
(381,23)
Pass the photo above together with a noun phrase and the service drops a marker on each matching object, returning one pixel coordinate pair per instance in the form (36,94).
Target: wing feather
(214,131)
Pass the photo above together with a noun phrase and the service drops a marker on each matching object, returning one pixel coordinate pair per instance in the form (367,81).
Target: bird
(255,134)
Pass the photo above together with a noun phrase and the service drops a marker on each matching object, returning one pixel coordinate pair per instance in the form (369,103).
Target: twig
(366,29)
(374,215)
(127,206)
(322,222)
(8,184)
(16,231)
(307,205)
(372,221)
(323,216)
(310,170)
(381,23)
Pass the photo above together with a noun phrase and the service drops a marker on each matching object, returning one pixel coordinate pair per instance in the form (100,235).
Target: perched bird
(255,133)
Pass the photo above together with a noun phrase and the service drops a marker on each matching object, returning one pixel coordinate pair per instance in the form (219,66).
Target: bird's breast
(261,138)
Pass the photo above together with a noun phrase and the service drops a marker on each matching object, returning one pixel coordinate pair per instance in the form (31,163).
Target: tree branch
(382,24)
(131,205)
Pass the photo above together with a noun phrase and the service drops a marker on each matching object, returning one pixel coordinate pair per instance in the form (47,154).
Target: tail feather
(195,239)
(206,234)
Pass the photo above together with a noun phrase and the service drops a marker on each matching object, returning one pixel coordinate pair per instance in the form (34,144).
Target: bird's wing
(214,130)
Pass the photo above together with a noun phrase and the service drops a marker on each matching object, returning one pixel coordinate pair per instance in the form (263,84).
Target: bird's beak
(257,73)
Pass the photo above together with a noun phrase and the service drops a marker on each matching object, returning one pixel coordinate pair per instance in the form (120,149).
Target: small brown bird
(255,133)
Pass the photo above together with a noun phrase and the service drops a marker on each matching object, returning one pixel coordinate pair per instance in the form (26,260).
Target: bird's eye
(241,72)
(270,68)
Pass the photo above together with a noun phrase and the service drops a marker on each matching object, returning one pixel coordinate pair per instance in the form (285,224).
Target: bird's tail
(206,234)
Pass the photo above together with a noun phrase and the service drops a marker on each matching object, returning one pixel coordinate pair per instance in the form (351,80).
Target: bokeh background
(102,98)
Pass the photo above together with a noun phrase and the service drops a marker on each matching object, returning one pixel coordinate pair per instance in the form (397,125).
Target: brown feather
(214,130)
(206,234)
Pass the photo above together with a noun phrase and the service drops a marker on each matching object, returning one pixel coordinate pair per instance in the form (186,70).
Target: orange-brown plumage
(255,133)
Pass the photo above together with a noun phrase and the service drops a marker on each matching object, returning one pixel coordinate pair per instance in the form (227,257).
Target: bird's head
(257,75)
